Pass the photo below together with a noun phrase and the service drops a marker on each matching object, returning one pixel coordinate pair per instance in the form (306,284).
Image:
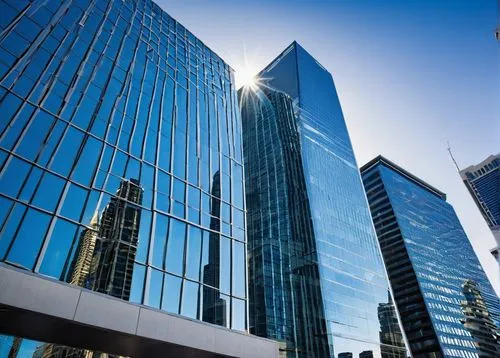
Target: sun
(245,77)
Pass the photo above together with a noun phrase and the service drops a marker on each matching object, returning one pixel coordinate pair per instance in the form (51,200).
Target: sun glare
(245,77)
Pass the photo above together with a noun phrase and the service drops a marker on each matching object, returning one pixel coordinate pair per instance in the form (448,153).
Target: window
(13,177)
(238,317)
(193,254)
(29,239)
(155,288)
(137,287)
(159,240)
(58,248)
(74,202)
(35,135)
(190,296)
(48,192)
(171,294)
(239,267)
(175,247)
(66,153)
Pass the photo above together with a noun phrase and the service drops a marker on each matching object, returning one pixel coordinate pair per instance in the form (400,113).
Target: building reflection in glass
(17,347)
(105,255)
(390,332)
(214,307)
(478,322)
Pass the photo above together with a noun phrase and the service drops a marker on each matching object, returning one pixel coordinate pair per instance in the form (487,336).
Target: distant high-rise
(431,266)
(316,275)
(483,182)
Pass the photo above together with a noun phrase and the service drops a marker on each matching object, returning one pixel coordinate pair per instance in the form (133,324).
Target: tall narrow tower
(316,276)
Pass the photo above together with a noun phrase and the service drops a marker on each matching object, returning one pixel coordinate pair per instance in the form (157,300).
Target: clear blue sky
(411,75)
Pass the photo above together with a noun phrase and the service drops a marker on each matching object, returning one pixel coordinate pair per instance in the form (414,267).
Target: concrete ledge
(44,309)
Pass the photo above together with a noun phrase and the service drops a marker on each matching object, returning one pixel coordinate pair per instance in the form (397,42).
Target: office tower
(316,275)
(117,125)
(440,289)
(483,182)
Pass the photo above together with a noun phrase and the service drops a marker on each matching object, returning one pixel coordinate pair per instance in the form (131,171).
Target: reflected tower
(115,249)
(478,321)
(390,331)
(214,307)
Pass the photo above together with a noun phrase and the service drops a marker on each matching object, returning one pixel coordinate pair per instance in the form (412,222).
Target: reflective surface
(120,157)
(316,274)
(15,347)
(459,303)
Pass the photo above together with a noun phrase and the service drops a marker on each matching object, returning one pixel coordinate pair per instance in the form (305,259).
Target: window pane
(35,135)
(29,239)
(193,255)
(49,191)
(215,307)
(175,247)
(137,283)
(31,184)
(193,197)
(238,317)
(66,152)
(225,264)
(58,248)
(74,202)
(84,171)
(171,294)
(239,267)
(161,225)
(190,297)
(179,190)
(10,227)
(144,236)
(155,288)
(13,177)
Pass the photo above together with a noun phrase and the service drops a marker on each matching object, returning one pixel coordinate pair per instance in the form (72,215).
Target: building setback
(121,164)
(446,303)
(483,182)
(316,275)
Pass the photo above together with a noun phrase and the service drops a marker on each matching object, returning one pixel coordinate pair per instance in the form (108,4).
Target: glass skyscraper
(447,305)
(316,275)
(483,182)
(121,157)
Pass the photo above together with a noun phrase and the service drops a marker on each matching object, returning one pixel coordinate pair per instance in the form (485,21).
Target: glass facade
(447,305)
(316,274)
(121,157)
(483,182)
(13,347)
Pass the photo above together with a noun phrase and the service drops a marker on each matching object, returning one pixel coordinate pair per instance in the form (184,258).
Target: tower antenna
(452,157)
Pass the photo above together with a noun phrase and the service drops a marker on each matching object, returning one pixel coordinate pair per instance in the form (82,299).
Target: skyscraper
(483,182)
(316,275)
(121,156)
(437,280)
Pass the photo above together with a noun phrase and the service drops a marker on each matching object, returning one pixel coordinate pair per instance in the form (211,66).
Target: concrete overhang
(40,308)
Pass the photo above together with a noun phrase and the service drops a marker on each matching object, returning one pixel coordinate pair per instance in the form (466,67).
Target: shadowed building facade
(316,275)
(121,164)
(439,286)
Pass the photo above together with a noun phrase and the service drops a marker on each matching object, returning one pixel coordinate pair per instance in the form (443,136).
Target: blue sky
(411,75)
